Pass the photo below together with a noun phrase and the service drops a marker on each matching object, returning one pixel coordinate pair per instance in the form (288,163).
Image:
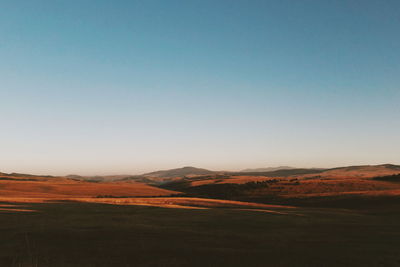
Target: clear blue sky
(105,87)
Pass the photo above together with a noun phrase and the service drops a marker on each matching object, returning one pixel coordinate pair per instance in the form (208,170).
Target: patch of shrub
(389,178)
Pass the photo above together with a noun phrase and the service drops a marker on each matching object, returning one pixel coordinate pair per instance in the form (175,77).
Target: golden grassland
(307,185)
(59,188)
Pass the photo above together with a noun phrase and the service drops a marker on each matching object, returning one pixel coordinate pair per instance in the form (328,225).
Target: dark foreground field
(89,234)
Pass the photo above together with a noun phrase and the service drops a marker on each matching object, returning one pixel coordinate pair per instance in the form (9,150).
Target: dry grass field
(40,187)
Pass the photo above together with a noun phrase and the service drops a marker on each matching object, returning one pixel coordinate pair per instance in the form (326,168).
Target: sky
(126,87)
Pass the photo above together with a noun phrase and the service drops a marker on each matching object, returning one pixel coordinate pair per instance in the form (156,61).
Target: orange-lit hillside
(61,187)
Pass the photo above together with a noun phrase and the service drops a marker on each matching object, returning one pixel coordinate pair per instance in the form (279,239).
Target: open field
(90,234)
(164,202)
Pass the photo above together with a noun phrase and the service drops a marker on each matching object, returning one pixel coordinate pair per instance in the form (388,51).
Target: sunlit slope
(366,171)
(355,180)
(61,187)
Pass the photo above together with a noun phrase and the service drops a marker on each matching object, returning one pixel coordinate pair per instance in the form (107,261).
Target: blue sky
(105,87)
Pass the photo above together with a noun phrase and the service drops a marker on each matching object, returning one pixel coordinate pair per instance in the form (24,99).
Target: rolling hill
(58,187)
(286,186)
(278,186)
(268,169)
(179,172)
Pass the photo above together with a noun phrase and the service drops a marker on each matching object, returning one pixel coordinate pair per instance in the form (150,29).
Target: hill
(57,187)
(280,186)
(362,171)
(179,172)
(268,169)
(99,178)
(311,186)
(279,173)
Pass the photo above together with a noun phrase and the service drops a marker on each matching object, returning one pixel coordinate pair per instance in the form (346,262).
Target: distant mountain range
(14,174)
(98,178)
(268,169)
(189,171)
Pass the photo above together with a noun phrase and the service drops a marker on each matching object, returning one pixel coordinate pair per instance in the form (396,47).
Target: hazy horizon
(127,87)
(137,172)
